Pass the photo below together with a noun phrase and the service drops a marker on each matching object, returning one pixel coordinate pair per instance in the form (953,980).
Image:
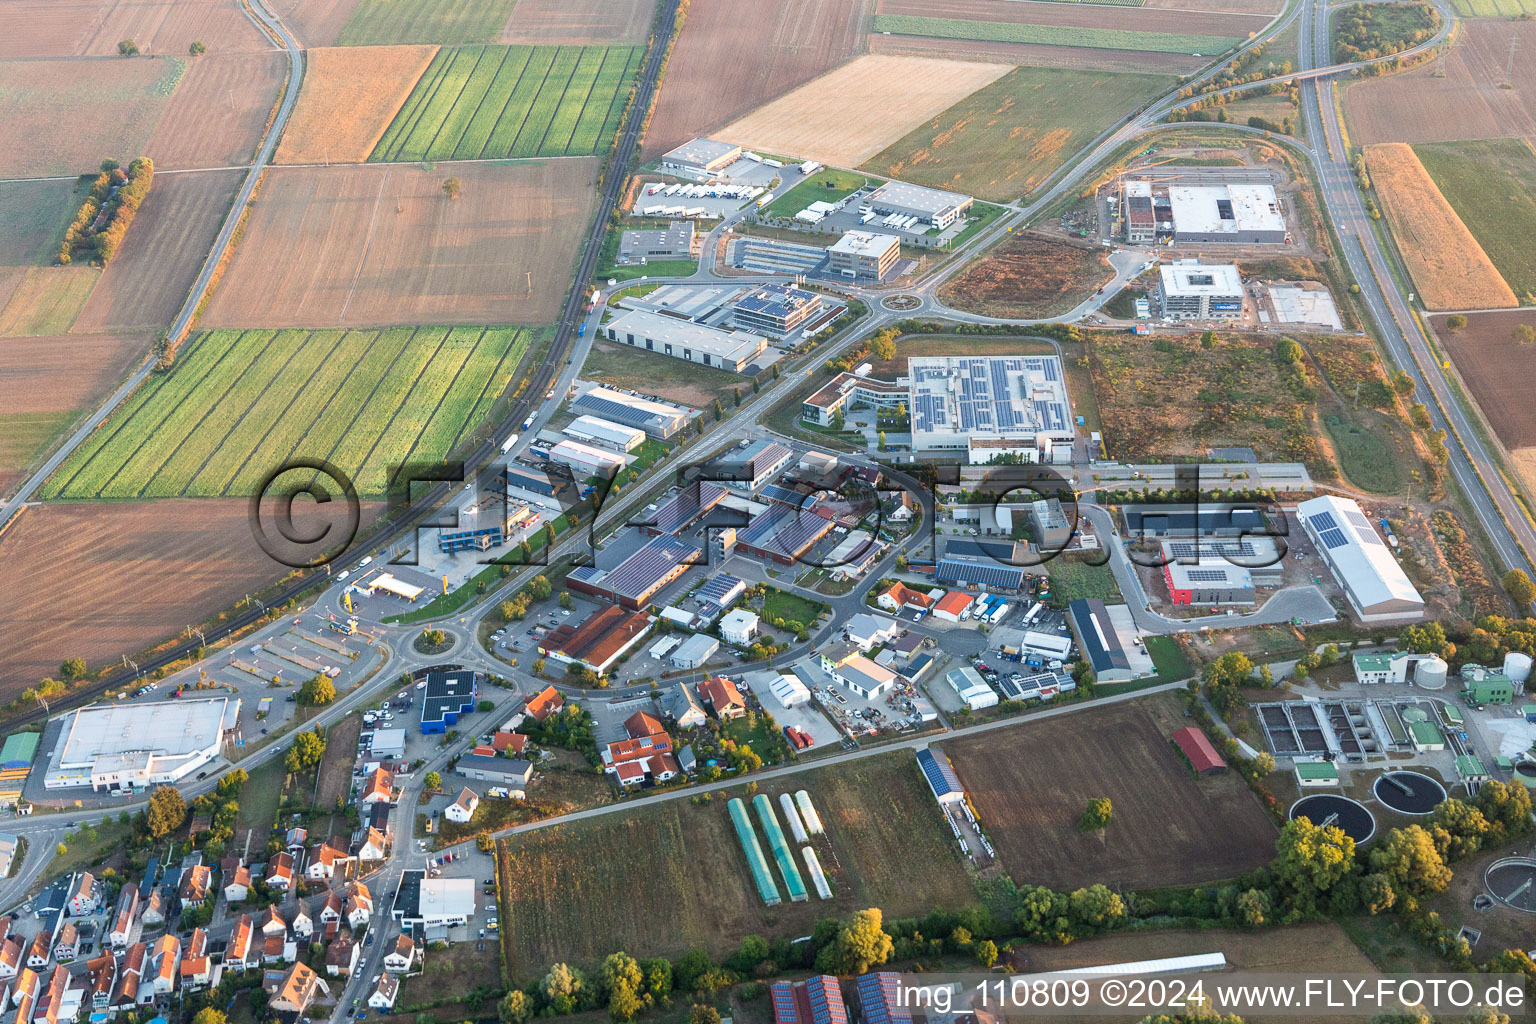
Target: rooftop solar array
(1201,549)
(1206,575)
(785,530)
(939,773)
(638,574)
(775,492)
(998,396)
(719,588)
(784,1009)
(952,570)
(1333,538)
(686,505)
(879,1002)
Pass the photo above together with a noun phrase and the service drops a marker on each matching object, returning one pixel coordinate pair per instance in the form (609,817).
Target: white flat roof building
(931,205)
(585,460)
(863,254)
(789,691)
(135,746)
(1191,290)
(738,626)
(957,401)
(1239,213)
(682,339)
(592,428)
(1376,586)
(701,156)
(973,690)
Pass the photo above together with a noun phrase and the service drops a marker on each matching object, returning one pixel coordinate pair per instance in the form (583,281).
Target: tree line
(108,211)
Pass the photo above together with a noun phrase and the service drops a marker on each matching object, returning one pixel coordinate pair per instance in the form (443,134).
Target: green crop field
(237,404)
(1003,140)
(1494,8)
(1492,187)
(1050,35)
(483,102)
(448,22)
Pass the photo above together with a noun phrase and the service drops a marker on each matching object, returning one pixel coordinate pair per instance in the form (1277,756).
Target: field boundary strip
(1050,35)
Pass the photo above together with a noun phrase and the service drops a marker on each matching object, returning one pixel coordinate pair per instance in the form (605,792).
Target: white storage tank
(1517,666)
(1430,673)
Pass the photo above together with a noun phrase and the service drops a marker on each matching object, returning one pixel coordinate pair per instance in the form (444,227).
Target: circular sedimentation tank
(1412,715)
(1328,809)
(1525,773)
(1431,674)
(1408,792)
(1512,881)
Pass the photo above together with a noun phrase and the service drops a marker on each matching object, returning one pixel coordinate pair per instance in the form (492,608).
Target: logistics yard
(1030,784)
(384,245)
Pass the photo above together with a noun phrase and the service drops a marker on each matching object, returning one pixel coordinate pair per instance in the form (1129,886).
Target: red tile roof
(513,741)
(720,694)
(1198,748)
(641,724)
(544,703)
(953,603)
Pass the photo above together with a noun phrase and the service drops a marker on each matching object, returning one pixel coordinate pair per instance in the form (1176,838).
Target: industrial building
(487,528)
(1053,530)
(1099,641)
(657,419)
(1238,213)
(1136,209)
(536,481)
(1375,585)
(585,461)
(598,431)
(131,747)
(941,776)
(783,533)
(973,690)
(683,339)
(989,406)
(683,508)
(696,651)
(510,772)
(433,903)
(864,677)
(1191,290)
(599,641)
(448,696)
(969,572)
(775,309)
(848,390)
(676,241)
(1213,582)
(931,206)
(640,577)
(700,158)
(1256,553)
(863,255)
(1149,522)
(753,467)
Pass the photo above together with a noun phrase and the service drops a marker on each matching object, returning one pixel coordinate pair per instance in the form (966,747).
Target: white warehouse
(126,747)
(1376,586)
(593,430)
(730,350)
(585,460)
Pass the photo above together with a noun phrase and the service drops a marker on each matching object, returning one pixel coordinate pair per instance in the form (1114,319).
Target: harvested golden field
(713,77)
(168,27)
(848,115)
(1449,268)
(579,22)
(47,299)
(219,112)
(382,244)
(350,95)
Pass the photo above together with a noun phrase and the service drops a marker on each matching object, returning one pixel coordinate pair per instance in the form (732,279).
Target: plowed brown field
(46,28)
(65,116)
(168,27)
(848,115)
(1029,275)
(1484,352)
(1035,54)
(350,95)
(374,244)
(576,22)
(146,284)
(1449,268)
(317,22)
(45,382)
(218,114)
(1468,103)
(1030,783)
(731,57)
(1081,15)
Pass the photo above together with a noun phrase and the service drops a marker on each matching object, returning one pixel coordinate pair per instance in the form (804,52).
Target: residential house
(359,910)
(196,965)
(196,882)
(631,760)
(165,964)
(66,944)
(58,1001)
(325,861)
(41,951)
(272,923)
(900,596)
(237,885)
(865,631)
(296,989)
(382,998)
(85,897)
(513,743)
(130,976)
(24,994)
(280,872)
(297,839)
(722,698)
(101,977)
(545,703)
(243,951)
(341,956)
(462,809)
(303,926)
(330,911)
(277,949)
(10,957)
(679,702)
(379,787)
(122,921)
(402,957)
(373,847)
(154,907)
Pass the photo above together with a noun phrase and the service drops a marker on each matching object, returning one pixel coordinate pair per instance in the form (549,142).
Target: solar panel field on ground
(494,102)
(238,404)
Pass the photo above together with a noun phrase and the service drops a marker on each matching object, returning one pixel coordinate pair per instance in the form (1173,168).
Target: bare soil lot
(160,257)
(183,560)
(1468,103)
(573,22)
(1029,275)
(350,95)
(713,77)
(218,114)
(1034,54)
(170,26)
(652,373)
(848,115)
(45,28)
(1029,785)
(383,245)
(66,116)
(1484,351)
(317,22)
(46,300)
(46,382)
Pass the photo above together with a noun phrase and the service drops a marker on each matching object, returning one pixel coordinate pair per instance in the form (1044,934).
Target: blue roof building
(448,695)
(878,1001)
(940,775)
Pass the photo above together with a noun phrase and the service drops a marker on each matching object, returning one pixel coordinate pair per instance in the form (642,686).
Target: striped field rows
(494,102)
(239,404)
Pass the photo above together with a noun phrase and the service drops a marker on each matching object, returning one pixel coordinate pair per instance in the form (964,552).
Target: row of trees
(104,218)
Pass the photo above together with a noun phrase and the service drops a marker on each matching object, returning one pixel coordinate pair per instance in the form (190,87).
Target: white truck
(506,445)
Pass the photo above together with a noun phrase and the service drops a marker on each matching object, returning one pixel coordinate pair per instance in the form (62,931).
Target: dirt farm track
(1169,828)
(384,245)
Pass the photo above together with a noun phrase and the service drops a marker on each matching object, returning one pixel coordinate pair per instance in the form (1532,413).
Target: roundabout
(1350,815)
(901,303)
(1408,792)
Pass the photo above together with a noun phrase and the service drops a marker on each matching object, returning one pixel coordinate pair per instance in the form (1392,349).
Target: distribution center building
(1244,214)
(683,339)
(863,255)
(989,405)
(1191,290)
(586,461)
(676,241)
(130,747)
(699,158)
(657,419)
(933,207)
(594,430)
(1376,586)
